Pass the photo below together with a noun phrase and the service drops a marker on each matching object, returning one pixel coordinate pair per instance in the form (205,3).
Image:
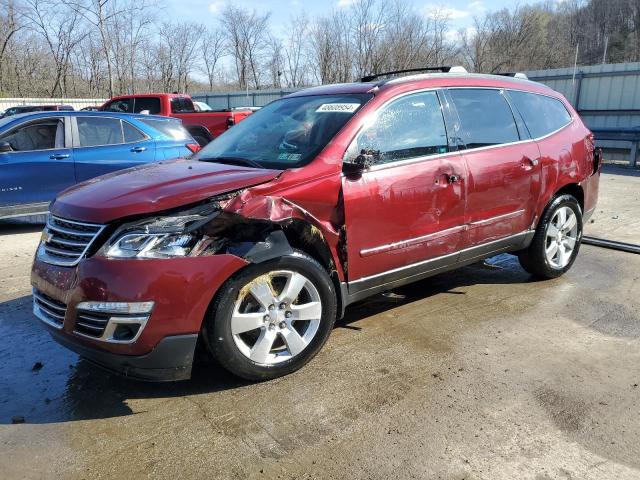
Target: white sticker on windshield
(290,157)
(338,107)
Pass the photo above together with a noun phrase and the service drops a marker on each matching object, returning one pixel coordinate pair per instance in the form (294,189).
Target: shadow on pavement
(12,227)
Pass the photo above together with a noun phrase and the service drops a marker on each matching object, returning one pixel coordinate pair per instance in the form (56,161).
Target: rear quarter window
(542,115)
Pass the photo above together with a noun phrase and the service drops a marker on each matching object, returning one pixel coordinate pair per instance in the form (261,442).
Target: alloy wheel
(276,316)
(561,238)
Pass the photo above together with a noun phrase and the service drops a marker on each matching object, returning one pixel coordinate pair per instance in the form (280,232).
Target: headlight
(144,245)
(177,235)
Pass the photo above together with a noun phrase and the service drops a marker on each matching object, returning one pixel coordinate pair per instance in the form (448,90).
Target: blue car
(43,153)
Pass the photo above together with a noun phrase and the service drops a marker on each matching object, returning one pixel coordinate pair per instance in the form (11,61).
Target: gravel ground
(481,373)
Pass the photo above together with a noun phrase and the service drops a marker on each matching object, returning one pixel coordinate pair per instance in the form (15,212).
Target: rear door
(41,163)
(409,206)
(503,165)
(105,144)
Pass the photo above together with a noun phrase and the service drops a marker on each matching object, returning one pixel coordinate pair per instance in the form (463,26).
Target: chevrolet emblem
(46,236)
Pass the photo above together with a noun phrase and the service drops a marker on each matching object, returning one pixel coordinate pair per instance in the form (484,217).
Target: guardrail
(631,135)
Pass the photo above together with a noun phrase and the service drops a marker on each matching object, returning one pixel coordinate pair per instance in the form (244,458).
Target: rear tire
(271,318)
(557,239)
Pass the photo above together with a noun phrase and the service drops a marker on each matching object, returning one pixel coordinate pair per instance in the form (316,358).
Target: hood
(153,187)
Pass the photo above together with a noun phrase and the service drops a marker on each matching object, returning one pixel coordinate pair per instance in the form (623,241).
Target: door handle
(59,156)
(453,178)
(532,162)
(138,149)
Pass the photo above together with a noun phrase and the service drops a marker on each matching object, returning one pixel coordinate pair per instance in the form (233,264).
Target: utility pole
(606,44)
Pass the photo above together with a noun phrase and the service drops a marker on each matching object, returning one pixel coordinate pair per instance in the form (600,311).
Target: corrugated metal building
(606,96)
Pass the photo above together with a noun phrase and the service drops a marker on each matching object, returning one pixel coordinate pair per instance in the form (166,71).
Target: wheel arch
(574,190)
(259,240)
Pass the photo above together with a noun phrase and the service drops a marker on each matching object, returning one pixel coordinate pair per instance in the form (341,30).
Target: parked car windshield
(287,133)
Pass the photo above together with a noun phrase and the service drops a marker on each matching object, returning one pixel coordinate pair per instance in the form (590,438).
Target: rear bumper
(171,360)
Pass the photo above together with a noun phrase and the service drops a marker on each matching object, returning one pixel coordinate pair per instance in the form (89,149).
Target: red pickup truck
(203,126)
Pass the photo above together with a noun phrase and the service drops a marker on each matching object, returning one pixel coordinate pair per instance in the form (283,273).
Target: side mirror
(361,162)
(5,147)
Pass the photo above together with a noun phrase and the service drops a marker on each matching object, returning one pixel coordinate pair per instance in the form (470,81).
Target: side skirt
(24,210)
(381,282)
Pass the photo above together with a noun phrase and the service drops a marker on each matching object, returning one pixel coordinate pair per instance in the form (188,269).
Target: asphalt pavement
(482,373)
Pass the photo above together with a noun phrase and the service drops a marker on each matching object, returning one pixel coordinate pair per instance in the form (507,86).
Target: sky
(460,12)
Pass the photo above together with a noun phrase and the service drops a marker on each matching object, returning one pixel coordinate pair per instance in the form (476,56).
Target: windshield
(287,133)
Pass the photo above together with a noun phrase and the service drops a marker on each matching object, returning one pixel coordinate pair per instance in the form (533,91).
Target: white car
(202,107)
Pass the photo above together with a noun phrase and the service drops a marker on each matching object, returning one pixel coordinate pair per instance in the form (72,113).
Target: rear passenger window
(150,104)
(543,115)
(409,127)
(131,133)
(182,105)
(486,117)
(96,131)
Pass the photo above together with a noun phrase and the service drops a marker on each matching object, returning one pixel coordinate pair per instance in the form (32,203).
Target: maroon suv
(320,199)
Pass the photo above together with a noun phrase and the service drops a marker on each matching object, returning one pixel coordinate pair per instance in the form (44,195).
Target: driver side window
(44,134)
(409,127)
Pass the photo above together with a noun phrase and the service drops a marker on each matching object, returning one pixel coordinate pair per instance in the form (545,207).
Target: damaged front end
(253,227)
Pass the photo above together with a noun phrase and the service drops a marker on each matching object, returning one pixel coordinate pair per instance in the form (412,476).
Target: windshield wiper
(246,162)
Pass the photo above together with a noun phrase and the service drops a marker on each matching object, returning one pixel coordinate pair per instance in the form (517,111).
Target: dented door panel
(398,215)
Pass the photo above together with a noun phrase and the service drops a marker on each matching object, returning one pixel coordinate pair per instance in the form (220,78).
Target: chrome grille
(92,324)
(49,310)
(65,242)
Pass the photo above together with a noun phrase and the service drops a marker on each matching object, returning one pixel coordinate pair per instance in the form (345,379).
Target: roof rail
(441,69)
(514,75)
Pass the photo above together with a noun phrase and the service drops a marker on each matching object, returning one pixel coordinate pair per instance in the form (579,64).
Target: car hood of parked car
(152,188)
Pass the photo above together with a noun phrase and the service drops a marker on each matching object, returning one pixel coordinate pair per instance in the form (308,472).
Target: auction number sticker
(338,107)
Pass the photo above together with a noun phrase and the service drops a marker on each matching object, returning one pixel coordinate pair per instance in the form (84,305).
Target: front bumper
(181,289)
(171,360)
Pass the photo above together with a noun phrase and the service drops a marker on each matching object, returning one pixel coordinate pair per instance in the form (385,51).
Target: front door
(503,166)
(39,163)
(409,206)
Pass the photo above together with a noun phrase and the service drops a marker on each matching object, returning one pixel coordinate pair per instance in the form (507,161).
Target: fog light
(124,332)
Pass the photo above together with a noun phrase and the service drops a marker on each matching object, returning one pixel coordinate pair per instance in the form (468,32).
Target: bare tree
(275,61)
(246,32)
(62,31)
(10,24)
(294,51)
(212,49)
(101,15)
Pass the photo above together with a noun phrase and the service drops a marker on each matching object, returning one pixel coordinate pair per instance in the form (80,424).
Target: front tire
(271,318)
(557,239)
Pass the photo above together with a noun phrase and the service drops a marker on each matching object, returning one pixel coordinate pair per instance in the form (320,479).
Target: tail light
(230,122)
(597,160)
(194,147)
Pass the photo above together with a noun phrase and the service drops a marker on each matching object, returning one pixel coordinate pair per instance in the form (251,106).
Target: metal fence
(607,97)
(248,98)
(76,103)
